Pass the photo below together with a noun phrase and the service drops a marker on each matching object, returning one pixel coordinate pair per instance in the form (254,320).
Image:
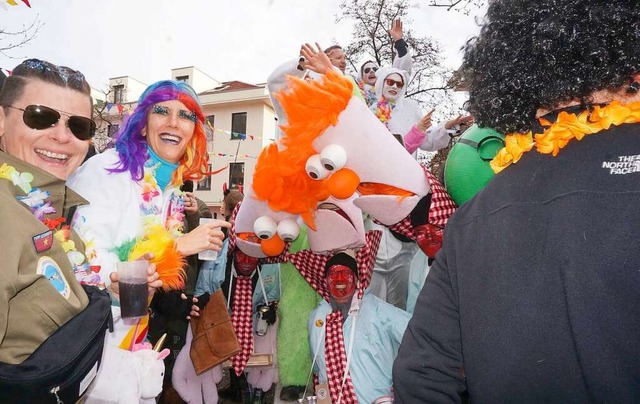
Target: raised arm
(404,59)
(276,82)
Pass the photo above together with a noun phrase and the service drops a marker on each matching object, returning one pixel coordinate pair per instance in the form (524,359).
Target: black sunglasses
(487,148)
(40,117)
(368,69)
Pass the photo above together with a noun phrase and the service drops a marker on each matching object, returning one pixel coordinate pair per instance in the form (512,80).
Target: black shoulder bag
(64,363)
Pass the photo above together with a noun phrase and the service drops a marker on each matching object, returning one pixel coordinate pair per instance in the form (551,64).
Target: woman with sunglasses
(39,152)
(45,128)
(390,280)
(367,75)
(534,295)
(404,117)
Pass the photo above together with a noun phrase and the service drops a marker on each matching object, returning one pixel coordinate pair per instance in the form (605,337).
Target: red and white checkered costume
(441,209)
(312,267)
(241,314)
(232,231)
(242,322)
(442,206)
(336,360)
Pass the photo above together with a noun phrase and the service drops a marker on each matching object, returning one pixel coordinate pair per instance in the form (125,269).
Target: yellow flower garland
(565,128)
(61,233)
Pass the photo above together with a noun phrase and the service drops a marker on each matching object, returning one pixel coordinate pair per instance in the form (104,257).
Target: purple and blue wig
(132,146)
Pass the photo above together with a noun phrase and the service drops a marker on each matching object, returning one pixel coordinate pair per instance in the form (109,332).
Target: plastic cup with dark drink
(132,283)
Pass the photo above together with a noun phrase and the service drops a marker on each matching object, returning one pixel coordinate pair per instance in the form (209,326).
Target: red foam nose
(272,247)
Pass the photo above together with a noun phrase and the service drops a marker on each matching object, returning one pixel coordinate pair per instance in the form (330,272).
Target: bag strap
(232,275)
(315,357)
(349,356)
(264,291)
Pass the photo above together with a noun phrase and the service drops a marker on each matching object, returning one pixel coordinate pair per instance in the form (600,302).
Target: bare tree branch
(430,81)
(463,6)
(10,40)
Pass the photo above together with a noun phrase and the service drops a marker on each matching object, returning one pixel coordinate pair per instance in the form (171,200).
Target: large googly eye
(265,227)
(314,168)
(288,230)
(333,157)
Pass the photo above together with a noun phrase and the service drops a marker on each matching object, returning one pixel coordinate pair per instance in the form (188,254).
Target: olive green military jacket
(38,289)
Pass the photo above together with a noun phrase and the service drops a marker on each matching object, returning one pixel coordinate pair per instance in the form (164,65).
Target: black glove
(203,299)
(170,305)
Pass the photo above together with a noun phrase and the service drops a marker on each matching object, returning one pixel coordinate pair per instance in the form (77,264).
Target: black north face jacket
(535,296)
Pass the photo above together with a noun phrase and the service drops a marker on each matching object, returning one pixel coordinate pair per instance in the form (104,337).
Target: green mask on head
(467,169)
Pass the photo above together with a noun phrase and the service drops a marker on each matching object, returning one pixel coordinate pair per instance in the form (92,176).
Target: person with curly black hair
(534,295)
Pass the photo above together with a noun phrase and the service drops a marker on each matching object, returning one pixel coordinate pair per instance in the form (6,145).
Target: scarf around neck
(164,169)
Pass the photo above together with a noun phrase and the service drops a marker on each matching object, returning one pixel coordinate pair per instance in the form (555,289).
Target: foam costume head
(261,232)
(328,149)
(132,146)
(467,169)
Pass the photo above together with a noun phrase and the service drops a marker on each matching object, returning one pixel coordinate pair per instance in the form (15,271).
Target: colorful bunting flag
(234,135)
(235,155)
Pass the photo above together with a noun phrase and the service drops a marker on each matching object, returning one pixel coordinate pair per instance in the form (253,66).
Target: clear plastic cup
(132,284)
(207,255)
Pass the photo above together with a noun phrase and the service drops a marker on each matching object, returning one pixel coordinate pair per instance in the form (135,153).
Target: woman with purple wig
(136,206)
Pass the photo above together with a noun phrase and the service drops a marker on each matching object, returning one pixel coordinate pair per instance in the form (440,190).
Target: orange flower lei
(565,128)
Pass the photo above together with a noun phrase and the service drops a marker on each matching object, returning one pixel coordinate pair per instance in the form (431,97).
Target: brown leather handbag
(214,339)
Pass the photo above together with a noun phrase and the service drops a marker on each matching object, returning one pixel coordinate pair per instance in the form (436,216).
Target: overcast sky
(227,39)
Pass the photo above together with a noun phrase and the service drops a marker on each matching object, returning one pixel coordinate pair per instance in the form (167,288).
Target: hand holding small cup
(207,236)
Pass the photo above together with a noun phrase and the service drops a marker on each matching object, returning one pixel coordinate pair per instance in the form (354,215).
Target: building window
(205,183)
(236,176)
(208,129)
(113,129)
(238,125)
(182,78)
(118,94)
(211,120)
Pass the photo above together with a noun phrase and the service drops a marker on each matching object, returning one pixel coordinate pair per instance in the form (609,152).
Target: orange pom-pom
(169,263)
(273,246)
(342,184)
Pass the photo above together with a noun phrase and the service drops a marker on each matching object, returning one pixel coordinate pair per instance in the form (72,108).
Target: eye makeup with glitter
(182,114)
(160,110)
(191,116)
